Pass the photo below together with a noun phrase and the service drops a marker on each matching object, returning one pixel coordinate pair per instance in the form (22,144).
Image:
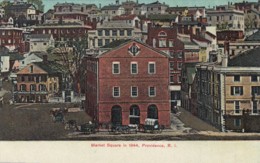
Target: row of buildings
(142,60)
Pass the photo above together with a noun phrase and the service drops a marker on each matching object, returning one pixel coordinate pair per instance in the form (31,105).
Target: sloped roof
(200,38)
(254,37)
(50,67)
(156,3)
(111,7)
(124,17)
(210,34)
(15,56)
(162,17)
(250,58)
(39,54)
(3,51)
(19,6)
(117,45)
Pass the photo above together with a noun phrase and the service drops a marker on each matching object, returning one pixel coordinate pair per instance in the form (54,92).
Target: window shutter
(232,91)
(241,90)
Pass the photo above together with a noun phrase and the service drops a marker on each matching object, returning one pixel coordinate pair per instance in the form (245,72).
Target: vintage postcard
(124,75)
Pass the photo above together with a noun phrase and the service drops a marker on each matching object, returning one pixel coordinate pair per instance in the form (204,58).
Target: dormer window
(162,33)
(31,69)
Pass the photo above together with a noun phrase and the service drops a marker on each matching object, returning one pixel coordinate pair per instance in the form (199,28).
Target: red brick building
(128,84)
(165,39)
(63,31)
(12,38)
(229,35)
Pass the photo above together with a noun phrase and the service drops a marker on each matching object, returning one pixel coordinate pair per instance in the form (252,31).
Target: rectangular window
(236,78)
(116,92)
(122,32)
(179,78)
(134,68)
(107,41)
(171,65)
(171,79)
(31,69)
(100,42)
(116,68)
(134,91)
(99,32)
(179,66)
(129,32)
(237,107)
(151,68)
(237,122)
(162,43)
(254,107)
(114,32)
(152,91)
(170,43)
(255,90)
(107,32)
(236,90)
(254,78)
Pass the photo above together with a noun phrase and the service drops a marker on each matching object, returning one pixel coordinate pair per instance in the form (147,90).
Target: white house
(32,57)
(40,42)
(108,12)
(5,63)
(131,20)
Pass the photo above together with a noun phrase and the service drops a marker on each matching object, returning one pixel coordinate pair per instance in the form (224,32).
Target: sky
(207,3)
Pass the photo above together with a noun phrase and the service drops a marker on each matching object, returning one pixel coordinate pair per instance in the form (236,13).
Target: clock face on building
(134,49)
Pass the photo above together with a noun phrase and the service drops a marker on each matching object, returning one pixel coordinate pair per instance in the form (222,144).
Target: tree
(5,4)
(250,21)
(38,4)
(70,54)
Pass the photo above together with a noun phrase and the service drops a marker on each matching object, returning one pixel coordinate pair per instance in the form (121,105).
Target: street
(33,122)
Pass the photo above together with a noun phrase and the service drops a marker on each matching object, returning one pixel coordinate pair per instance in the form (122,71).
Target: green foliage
(38,4)
(5,3)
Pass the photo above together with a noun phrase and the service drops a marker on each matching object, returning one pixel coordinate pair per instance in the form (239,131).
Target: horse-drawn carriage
(57,114)
(88,128)
(152,126)
(123,129)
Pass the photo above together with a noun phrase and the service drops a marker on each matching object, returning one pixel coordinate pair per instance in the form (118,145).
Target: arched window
(134,116)
(116,115)
(152,112)
(162,33)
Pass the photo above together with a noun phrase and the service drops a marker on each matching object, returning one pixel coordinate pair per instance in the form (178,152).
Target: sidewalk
(194,122)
